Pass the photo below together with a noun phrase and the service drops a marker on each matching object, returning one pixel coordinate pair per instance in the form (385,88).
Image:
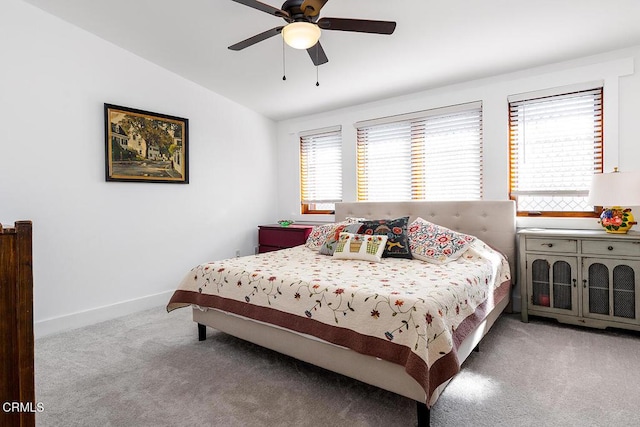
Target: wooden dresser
(17,389)
(274,237)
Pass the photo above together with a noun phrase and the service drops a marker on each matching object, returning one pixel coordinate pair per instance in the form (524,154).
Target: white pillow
(365,247)
(436,244)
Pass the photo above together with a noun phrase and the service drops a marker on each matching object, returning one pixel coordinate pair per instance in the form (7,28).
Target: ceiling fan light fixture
(301,35)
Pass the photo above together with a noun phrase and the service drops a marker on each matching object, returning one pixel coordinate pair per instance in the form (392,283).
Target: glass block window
(556,146)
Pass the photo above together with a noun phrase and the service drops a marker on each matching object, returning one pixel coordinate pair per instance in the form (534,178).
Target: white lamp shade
(301,35)
(615,189)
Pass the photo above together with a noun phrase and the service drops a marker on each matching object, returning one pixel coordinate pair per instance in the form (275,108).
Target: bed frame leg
(424,415)
(202,332)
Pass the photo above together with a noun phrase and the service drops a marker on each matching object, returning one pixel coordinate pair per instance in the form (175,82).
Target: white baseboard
(79,319)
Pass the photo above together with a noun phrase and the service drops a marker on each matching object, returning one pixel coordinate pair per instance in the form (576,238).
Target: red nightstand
(274,237)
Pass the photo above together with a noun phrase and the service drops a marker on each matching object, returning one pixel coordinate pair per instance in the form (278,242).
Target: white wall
(105,249)
(621,132)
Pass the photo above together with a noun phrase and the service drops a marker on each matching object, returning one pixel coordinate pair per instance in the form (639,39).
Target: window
(320,170)
(427,155)
(555,144)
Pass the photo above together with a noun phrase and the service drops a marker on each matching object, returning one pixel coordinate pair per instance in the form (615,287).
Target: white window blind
(428,155)
(321,168)
(555,148)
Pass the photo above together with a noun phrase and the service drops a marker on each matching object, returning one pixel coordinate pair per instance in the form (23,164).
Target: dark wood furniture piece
(274,237)
(16,327)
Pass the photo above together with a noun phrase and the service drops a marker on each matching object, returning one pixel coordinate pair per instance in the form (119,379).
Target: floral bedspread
(404,311)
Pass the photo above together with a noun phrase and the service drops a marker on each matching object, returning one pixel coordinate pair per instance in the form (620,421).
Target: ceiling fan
(303,27)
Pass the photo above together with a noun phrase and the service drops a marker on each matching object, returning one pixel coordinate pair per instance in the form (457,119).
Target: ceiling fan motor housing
(301,12)
(296,13)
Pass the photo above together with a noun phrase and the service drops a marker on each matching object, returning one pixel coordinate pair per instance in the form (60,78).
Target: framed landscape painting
(141,146)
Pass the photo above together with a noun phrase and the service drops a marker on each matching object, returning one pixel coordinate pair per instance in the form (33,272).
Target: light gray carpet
(148,369)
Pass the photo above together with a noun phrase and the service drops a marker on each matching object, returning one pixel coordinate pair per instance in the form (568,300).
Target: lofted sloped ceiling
(435,43)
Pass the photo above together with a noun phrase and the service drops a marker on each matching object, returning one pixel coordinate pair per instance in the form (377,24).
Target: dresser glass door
(624,292)
(598,289)
(541,281)
(562,282)
(553,283)
(610,287)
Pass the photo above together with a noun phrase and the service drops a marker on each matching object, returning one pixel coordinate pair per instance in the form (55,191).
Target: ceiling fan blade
(257,38)
(312,7)
(264,7)
(317,54)
(357,25)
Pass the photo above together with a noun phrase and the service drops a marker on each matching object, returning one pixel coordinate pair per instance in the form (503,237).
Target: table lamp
(613,191)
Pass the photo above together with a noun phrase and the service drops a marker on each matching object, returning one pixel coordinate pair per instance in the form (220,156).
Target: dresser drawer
(611,247)
(552,245)
(282,237)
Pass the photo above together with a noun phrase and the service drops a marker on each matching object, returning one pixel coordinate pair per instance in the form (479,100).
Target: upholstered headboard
(494,222)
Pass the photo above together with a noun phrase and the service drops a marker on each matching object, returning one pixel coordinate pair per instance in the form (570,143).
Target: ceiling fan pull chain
(284,73)
(317,66)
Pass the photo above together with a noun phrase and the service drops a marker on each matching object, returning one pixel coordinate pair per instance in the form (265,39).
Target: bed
(326,311)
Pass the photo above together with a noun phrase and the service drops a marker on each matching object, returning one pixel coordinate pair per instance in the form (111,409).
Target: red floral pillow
(436,244)
(319,234)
